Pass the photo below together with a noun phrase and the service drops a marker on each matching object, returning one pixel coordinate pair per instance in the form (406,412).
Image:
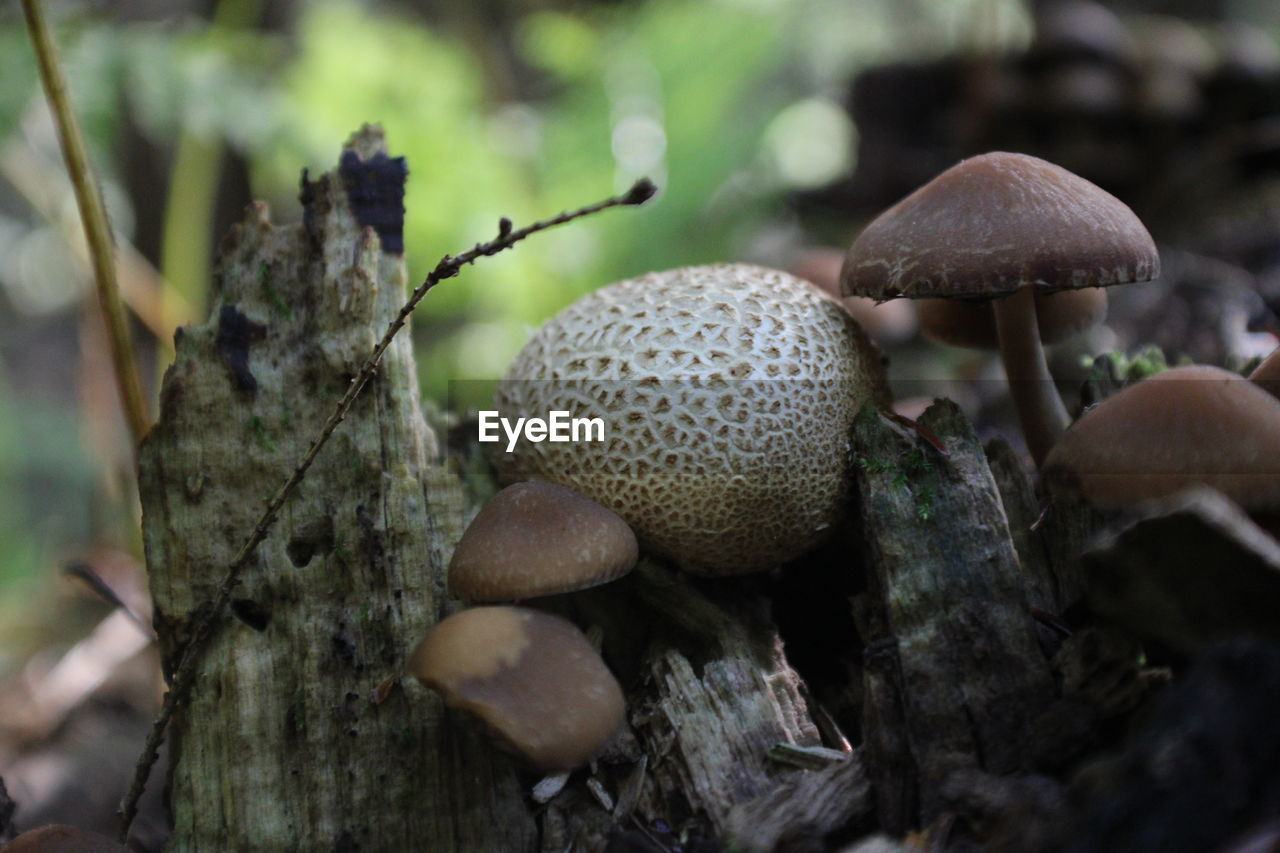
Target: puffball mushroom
(60,838)
(727,393)
(534,539)
(530,677)
(1004,227)
(1195,425)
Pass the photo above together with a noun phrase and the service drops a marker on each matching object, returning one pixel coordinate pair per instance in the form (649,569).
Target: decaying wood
(960,669)
(283,744)
(1187,571)
(1101,678)
(710,694)
(1022,511)
(1069,527)
(806,809)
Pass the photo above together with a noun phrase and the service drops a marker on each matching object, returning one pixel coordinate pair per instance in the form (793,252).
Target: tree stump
(290,738)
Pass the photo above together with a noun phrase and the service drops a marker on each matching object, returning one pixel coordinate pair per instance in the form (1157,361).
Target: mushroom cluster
(727,393)
(531,678)
(1010,229)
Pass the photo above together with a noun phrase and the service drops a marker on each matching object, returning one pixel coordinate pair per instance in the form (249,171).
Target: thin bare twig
(93,212)
(207,617)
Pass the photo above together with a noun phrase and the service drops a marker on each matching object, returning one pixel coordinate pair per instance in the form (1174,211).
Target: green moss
(904,470)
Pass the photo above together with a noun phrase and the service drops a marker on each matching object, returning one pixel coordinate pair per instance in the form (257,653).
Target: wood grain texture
(960,669)
(282,745)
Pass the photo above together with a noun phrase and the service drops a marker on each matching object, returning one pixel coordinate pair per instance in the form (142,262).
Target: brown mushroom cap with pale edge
(994,223)
(530,677)
(887,323)
(1060,316)
(1187,426)
(1010,226)
(60,838)
(536,538)
(1267,374)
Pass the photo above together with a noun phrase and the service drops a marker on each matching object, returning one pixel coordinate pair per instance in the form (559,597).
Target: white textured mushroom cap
(727,393)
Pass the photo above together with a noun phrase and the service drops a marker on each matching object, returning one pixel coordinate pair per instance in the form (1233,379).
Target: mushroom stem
(1040,410)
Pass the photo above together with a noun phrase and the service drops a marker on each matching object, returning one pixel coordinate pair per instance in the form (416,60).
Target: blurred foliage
(45,478)
(726,104)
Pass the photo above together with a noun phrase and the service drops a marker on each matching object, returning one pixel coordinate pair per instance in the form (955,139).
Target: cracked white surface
(727,392)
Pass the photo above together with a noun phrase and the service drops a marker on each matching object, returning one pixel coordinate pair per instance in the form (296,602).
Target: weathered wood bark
(1070,525)
(1022,511)
(1187,571)
(285,742)
(959,679)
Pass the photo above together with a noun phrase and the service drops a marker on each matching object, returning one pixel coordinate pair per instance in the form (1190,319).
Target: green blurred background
(515,109)
(737,109)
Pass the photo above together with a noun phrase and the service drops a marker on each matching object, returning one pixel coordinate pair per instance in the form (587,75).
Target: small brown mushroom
(60,838)
(530,677)
(1005,227)
(1187,426)
(536,538)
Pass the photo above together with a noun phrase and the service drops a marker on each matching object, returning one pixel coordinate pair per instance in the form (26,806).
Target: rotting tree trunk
(287,742)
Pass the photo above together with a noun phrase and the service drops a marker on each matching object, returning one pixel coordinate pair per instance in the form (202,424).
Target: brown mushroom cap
(531,677)
(994,223)
(970,324)
(60,838)
(886,323)
(1187,426)
(537,538)
(1267,374)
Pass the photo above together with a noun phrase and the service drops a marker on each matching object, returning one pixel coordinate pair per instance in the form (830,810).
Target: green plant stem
(93,212)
